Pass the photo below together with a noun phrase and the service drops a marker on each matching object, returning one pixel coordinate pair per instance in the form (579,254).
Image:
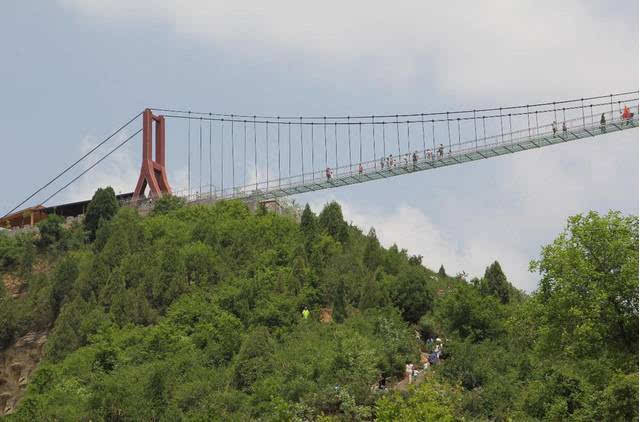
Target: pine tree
(308,223)
(330,219)
(495,283)
(339,311)
(372,252)
(103,205)
(309,226)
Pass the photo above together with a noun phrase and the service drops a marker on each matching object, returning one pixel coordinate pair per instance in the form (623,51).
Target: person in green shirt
(305,313)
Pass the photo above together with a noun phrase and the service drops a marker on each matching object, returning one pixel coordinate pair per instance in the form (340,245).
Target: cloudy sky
(72,70)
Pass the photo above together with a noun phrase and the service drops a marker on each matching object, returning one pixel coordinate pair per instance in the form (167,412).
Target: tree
(308,222)
(250,362)
(330,219)
(372,252)
(466,313)
(415,260)
(589,287)
(103,206)
(309,227)
(495,283)
(339,312)
(413,297)
(63,279)
(50,230)
(373,293)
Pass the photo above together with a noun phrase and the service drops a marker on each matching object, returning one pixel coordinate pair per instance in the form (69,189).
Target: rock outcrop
(17,363)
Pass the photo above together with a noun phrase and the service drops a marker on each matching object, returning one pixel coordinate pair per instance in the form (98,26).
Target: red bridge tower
(152,172)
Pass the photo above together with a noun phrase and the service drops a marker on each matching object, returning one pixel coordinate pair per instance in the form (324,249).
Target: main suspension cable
(382,116)
(92,166)
(75,163)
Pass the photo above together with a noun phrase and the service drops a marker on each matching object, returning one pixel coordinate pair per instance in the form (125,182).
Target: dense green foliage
(194,313)
(567,352)
(166,204)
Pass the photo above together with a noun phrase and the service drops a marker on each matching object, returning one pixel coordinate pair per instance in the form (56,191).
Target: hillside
(196,313)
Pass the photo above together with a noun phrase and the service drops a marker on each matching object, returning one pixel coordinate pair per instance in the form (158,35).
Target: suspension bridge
(260,157)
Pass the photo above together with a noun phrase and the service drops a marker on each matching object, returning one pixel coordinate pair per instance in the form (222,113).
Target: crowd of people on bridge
(626,117)
(402,160)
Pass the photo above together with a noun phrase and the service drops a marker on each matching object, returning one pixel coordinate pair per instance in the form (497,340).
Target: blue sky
(74,70)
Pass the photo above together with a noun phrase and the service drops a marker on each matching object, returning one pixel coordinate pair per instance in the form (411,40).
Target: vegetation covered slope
(194,313)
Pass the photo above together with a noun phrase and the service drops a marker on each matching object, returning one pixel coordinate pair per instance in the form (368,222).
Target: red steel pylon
(152,172)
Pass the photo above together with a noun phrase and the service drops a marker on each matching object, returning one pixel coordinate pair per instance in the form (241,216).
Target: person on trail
(554,127)
(415,158)
(382,163)
(327,172)
(360,169)
(391,163)
(440,151)
(429,154)
(433,358)
(603,123)
(564,127)
(409,372)
(305,313)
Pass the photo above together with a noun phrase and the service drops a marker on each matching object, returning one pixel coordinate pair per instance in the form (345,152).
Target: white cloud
(469,49)
(120,170)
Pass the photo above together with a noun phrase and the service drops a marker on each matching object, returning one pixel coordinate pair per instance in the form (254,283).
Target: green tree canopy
(589,285)
(412,296)
(103,206)
(330,219)
(495,283)
(50,230)
(372,252)
(308,222)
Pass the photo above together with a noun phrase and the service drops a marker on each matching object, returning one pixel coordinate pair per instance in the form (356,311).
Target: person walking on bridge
(627,115)
(603,123)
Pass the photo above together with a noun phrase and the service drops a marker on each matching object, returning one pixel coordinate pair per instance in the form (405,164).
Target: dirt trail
(403,384)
